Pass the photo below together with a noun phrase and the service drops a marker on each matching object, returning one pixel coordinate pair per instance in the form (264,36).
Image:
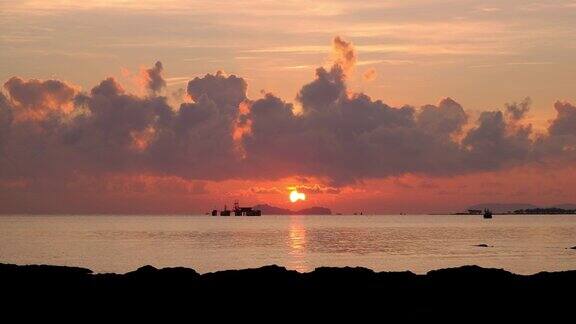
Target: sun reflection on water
(297,245)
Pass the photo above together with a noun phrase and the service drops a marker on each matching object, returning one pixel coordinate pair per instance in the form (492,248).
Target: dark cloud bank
(50,130)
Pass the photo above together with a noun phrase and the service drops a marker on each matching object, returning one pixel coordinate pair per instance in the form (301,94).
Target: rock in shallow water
(325,290)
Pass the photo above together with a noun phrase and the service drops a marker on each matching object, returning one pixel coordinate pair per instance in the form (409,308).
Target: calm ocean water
(522,244)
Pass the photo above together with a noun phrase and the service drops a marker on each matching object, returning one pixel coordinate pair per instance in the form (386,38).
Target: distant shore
(462,289)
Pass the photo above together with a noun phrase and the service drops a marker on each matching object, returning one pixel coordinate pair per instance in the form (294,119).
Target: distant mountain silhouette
(273,210)
(314,211)
(502,208)
(510,207)
(565,206)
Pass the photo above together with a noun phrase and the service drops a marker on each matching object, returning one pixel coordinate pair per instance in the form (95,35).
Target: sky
(381,106)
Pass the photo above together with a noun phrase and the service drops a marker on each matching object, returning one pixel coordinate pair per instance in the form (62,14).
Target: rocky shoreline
(444,291)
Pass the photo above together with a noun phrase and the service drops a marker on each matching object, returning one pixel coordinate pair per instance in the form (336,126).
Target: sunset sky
(381,106)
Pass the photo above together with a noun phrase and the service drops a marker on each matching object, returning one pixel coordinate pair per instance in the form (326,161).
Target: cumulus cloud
(344,54)
(152,78)
(35,98)
(36,94)
(445,119)
(225,91)
(493,144)
(565,122)
(517,111)
(339,137)
(320,94)
(561,139)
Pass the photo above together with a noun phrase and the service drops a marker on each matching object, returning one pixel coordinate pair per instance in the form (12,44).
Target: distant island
(273,210)
(520,208)
(546,211)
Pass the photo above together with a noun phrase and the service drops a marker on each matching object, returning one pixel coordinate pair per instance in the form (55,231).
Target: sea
(523,244)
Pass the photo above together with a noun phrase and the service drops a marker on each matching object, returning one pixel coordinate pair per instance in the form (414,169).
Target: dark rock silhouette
(482,245)
(329,292)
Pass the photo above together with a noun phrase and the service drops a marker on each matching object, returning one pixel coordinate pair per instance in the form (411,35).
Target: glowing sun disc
(295,196)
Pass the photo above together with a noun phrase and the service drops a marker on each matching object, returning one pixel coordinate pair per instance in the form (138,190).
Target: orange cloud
(151,78)
(142,138)
(338,141)
(263,190)
(343,54)
(34,99)
(241,127)
(370,75)
(315,189)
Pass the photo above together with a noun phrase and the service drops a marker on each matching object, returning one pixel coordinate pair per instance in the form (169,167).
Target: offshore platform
(238,211)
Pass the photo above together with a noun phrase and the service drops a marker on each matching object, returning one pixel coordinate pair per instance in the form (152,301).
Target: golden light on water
(297,235)
(295,196)
(297,245)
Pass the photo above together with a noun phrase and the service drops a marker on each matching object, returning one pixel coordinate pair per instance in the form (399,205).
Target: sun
(295,196)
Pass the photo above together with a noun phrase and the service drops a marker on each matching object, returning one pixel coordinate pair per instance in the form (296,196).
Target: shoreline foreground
(452,291)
